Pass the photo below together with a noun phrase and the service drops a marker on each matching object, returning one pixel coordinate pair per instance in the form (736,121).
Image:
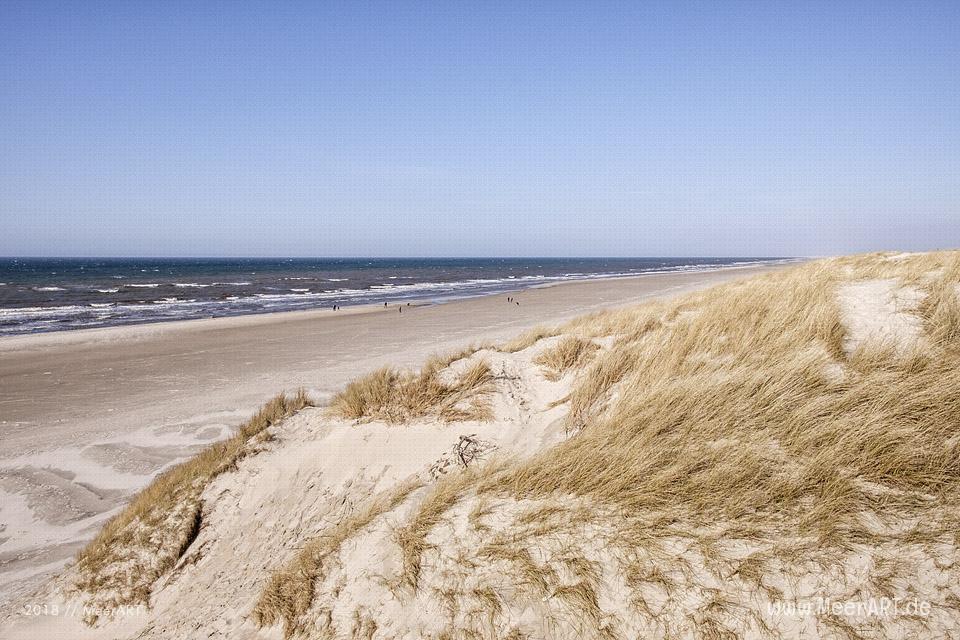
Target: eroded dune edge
(730,463)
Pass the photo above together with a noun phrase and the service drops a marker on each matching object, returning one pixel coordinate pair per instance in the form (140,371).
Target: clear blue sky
(396,128)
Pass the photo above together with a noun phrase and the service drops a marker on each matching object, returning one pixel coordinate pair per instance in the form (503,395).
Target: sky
(478,129)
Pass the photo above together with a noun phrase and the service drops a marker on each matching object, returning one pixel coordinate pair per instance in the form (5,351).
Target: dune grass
(289,593)
(572,352)
(412,537)
(398,397)
(529,338)
(149,536)
(941,307)
(729,410)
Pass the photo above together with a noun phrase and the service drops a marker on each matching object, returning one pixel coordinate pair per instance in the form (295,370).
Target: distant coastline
(41,295)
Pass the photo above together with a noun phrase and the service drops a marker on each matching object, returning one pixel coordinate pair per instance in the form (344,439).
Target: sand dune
(773,457)
(88,418)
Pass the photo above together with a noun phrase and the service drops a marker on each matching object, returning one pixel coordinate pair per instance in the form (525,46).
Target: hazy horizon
(450,130)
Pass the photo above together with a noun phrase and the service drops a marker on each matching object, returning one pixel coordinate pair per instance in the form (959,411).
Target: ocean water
(54,294)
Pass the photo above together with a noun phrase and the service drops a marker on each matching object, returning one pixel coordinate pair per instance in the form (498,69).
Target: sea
(56,294)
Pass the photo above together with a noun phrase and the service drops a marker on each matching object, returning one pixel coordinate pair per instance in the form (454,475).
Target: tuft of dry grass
(528,573)
(397,397)
(412,537)
(147,538)
(582,599)
(529,338)
(941,307)
(572,352)
(289,593)
(595,386)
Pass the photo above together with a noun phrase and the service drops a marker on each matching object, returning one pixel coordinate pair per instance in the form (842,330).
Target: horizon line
(421,257)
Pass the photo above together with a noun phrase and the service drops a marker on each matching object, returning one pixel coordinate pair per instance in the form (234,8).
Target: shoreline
(148,328)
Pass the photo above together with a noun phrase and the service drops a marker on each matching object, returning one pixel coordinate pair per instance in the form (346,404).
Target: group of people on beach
(336,307)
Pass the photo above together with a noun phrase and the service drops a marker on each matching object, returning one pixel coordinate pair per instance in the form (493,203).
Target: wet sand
(89,417)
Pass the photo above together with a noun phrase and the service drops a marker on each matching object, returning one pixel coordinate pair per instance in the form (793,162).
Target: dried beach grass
(146,539)
(529,338)
(399,397)
(572,352)
(289,593)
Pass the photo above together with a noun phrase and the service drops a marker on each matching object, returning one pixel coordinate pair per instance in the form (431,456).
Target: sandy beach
(89,417)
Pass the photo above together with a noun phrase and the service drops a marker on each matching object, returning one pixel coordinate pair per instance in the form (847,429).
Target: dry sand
(89,417)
